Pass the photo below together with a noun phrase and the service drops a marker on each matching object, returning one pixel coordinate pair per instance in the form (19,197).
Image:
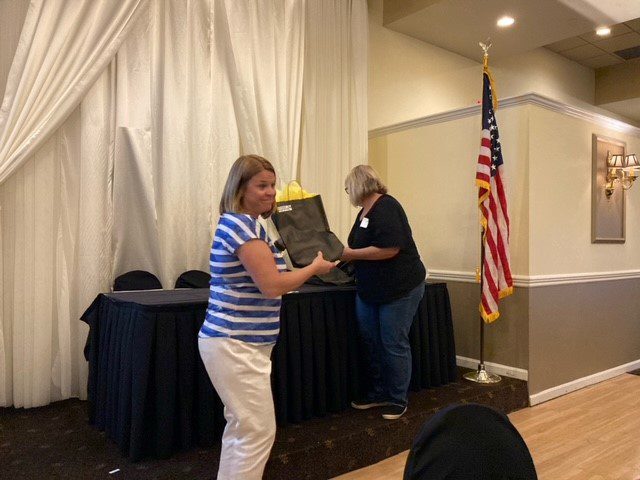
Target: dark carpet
(57,442)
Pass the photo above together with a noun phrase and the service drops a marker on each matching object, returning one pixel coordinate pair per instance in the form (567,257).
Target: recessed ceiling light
(505,21)
(603,31)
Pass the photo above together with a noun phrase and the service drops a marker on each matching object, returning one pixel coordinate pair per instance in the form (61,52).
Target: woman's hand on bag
(322,266)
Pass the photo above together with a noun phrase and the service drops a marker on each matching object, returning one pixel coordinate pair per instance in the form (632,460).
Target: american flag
(492,201)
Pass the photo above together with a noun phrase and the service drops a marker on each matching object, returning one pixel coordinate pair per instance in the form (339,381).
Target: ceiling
(593,51)
(566,27)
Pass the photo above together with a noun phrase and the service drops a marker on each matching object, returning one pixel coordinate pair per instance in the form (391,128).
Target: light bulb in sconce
(615,164)
(621,169)
(630,169)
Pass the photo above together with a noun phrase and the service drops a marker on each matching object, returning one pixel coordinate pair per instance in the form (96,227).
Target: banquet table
(148,389)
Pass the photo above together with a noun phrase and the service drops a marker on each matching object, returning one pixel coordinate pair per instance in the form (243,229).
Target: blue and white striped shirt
(237,309)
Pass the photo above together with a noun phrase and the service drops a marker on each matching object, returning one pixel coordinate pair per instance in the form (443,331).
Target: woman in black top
(390,284)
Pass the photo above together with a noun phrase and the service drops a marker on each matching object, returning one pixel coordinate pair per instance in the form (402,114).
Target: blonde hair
(243,170)
(361,182)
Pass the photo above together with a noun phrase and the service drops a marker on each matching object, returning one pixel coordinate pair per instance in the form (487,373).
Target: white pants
(241,374)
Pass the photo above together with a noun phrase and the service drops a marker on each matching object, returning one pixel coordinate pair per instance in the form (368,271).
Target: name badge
(364,223)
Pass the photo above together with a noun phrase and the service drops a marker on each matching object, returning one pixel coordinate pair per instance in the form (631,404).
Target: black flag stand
(481,375)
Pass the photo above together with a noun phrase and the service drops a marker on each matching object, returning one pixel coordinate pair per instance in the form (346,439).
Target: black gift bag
(304,230)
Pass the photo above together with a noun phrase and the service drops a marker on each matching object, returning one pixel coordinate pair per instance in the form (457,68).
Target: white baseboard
(504,370)
(574,385)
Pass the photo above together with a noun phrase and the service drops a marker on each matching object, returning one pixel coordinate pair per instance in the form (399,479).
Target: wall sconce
(622,169)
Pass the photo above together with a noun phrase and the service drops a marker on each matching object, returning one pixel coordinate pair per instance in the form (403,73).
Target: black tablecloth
(149,391)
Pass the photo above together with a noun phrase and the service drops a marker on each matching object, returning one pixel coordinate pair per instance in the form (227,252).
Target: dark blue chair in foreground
(136,280)
(469,442)
(193,279)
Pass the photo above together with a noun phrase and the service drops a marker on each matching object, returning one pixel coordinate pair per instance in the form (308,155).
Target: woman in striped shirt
(248,276)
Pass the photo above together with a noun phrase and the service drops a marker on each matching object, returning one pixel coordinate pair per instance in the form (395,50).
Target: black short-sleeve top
(386,226)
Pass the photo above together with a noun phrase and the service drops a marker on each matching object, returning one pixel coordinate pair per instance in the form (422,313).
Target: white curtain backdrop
(258,61)
(56,254)
(224,78)
(63,48)
(334,114)
(132,178)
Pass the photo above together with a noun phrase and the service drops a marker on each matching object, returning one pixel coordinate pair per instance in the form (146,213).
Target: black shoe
(366,404)
(394,412)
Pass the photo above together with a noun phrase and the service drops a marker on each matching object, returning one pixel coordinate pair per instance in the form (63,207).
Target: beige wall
(396,9)
(378,156)
(618,82)
(410,79)
(431,170)
(560,333)
(580,330)
(506,341)
(560,197)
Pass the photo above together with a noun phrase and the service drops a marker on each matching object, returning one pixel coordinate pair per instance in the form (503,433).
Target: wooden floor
(591,434)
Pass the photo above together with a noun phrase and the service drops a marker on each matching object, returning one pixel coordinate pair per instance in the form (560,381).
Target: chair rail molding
(532,281)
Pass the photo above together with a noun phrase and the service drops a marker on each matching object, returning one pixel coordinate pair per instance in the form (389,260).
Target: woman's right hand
(322,266)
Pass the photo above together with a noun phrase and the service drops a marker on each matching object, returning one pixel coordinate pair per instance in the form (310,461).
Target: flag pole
(481,375)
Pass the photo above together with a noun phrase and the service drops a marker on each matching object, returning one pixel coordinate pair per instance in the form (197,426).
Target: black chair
(136,280)
(469,442)
(193,279)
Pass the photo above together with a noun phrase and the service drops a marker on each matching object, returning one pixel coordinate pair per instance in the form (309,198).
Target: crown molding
(589,115)
(533,281)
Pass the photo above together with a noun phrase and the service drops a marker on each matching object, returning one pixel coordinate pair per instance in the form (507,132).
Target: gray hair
(361,182)
(243,170)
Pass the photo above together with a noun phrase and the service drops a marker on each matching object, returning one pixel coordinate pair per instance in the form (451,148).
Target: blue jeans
(385,330)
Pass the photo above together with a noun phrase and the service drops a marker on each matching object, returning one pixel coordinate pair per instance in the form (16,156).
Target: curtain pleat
(334,106)
(63,48)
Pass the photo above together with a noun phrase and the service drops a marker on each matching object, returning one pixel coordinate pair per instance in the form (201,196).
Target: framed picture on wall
(607,205)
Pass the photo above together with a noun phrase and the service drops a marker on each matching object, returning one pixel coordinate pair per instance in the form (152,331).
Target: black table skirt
(149,391)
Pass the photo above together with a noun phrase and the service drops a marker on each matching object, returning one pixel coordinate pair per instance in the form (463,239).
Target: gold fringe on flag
(485,69)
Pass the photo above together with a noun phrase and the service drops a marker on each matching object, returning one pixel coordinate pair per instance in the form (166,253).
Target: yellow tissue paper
(293,191)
